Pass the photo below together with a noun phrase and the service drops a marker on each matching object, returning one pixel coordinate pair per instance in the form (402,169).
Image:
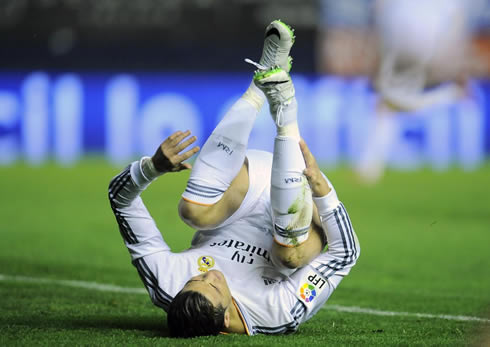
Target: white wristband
(148,169)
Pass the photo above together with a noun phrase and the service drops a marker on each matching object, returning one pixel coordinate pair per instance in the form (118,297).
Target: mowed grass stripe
(424,238)
(73,283)
(370,311)
(118,289)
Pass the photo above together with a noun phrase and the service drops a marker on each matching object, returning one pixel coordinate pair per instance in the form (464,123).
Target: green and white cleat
(279,38)
(277,86)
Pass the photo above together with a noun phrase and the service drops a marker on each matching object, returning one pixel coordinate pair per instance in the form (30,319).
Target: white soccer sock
(377,148)
(291,199)
(223,154)
(289,123)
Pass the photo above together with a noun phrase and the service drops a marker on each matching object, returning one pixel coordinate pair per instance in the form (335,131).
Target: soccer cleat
(276,84)
(279,38)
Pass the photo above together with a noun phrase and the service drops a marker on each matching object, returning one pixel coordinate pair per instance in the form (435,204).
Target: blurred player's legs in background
(422,44)
(378,146)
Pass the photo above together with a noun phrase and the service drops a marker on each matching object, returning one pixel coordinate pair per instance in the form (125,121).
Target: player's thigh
(209,216)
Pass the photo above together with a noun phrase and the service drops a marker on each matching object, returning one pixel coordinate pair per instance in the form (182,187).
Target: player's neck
(237,325)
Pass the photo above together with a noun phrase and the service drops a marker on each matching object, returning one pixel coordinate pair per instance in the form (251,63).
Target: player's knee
(287,257)
(291,262)
(194,215)
(295,257)
(190,213)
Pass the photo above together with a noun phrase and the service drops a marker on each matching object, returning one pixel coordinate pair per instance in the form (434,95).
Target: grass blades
(424,238)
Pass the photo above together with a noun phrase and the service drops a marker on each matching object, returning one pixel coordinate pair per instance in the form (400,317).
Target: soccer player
(255,264)
(423,49)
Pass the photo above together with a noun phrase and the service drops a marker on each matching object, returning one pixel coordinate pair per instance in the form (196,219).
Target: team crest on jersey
(307,292)
(313,285)
(204,263)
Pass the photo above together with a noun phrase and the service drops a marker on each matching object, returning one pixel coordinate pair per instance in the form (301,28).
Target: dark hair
(192,314)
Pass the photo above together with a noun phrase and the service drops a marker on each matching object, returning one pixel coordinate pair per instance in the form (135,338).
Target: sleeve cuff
(139,178)
(327,203)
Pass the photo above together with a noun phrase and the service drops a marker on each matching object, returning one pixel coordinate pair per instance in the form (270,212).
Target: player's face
(213,286)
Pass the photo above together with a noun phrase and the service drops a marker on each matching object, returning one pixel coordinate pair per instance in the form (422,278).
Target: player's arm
(312,285)
(149,252)
(137,227)
(343,245)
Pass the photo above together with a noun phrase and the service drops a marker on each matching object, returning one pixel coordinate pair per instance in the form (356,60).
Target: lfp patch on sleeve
(311,286)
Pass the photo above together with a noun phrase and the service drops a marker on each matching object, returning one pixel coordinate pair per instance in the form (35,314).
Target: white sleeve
(141,236)
(136,225)
(313,284)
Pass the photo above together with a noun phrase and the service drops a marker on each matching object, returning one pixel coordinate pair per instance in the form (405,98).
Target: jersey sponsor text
(245,253)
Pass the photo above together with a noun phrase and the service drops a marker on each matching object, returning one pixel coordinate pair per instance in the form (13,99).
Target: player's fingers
(309,158)
(171,147)
(185,144)
(318,184)
(172,138)
(173,141)
(308,173)
(186,155)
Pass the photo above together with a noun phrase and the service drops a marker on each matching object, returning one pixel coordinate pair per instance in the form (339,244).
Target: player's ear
(227,318)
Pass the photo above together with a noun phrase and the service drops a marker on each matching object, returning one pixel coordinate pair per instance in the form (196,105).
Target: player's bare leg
(409,62)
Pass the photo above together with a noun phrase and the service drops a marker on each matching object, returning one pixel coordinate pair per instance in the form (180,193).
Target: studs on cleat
(290,63)
(289,28)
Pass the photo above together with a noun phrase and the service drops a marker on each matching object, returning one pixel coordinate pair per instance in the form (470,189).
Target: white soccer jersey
(269,300)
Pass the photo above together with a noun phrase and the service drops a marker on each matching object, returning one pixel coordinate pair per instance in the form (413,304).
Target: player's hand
(168,157)
(318,183)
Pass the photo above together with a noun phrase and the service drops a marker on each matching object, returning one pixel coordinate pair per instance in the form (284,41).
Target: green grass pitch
(425,240)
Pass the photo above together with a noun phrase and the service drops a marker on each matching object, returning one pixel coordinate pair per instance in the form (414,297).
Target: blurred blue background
(113,78)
